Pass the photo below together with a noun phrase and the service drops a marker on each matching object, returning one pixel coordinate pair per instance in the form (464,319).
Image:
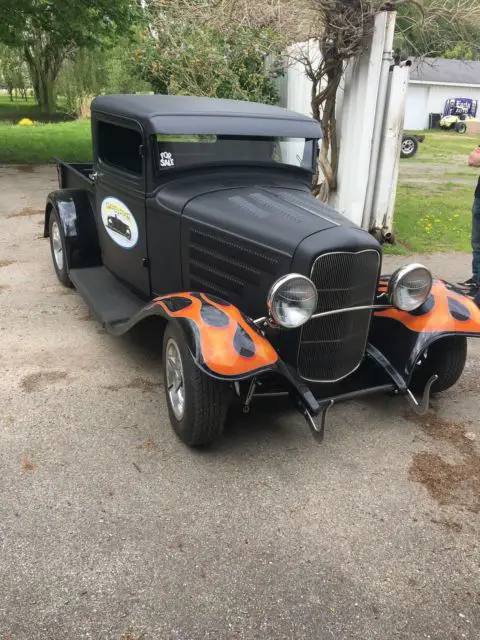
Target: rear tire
(446,358)
(58,248)
(461,127)
(199,408)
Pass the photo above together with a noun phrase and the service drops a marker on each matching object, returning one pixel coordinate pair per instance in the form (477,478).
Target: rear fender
(223,341)
(77,218)
(403,336)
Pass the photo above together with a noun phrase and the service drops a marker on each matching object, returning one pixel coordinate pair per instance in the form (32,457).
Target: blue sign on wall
(459,106)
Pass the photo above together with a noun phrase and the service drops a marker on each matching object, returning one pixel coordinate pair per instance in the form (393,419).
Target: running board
(111,302)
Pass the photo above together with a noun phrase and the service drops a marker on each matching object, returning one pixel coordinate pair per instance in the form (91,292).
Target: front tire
(446,358)
(58,249)
(197,404)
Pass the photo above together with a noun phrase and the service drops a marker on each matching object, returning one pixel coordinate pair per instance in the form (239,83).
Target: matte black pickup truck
(199,212)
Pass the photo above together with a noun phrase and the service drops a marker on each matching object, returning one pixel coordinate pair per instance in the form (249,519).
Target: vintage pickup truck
(199,212)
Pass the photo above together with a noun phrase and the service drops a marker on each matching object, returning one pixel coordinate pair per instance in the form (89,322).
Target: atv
(457,112)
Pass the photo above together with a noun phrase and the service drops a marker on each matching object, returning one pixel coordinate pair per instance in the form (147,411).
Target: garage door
(416,111)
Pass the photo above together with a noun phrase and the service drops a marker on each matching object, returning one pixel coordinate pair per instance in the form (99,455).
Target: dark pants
(476,239)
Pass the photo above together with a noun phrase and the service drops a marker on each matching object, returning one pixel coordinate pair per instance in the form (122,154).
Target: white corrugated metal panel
(356,125)
(294,87)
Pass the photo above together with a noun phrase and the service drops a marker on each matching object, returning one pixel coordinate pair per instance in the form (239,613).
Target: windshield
(179,151)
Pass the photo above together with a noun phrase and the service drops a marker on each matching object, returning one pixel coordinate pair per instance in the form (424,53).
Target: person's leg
(476,239)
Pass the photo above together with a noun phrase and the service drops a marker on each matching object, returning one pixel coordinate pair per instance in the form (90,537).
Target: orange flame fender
(445,311)
(223,341)
(403,336)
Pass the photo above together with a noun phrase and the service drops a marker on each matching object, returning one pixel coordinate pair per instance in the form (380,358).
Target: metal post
(389,161)
(387,61)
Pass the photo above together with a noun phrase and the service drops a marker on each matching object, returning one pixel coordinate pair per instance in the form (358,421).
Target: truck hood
(276,216)
(240,233)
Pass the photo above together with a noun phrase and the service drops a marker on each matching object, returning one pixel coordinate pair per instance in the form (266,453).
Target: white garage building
(432,82)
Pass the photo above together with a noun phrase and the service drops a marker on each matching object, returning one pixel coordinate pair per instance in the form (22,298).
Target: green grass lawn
(42,143)
(432,219)
(441,144)
(51,136)
(435,195)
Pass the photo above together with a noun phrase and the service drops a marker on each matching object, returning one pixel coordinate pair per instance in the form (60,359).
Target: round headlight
(291,301)
(409,287)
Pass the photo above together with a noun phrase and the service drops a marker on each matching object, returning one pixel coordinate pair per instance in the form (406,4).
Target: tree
(81,77)
(120,69)
(194,60)
(462,52)
(340,32)
(188,49)
(13,73)
(94,71)
(50,31)
(438,28)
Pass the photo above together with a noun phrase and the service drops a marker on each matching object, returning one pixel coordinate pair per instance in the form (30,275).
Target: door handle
(95,175)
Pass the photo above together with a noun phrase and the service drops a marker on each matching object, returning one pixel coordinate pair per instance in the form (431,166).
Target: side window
(120,147)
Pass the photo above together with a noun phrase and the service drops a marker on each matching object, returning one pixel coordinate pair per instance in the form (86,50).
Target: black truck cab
(199,212)
(149,169)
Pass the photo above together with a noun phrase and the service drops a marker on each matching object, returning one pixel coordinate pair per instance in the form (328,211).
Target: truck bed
(74,175)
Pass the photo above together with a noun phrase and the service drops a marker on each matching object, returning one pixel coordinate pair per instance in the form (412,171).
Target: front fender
(403,336)
(224,342)
(78,224)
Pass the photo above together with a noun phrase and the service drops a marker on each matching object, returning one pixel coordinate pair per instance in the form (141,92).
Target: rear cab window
(119,147)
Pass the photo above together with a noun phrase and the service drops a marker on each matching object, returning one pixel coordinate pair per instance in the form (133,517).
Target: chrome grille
(332,347)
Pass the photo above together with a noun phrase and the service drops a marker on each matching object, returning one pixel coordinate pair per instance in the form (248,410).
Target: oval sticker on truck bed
(119,223)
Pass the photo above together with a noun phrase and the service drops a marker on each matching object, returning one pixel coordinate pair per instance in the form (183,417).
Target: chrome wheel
(408,147)
(57,246)
(175,380)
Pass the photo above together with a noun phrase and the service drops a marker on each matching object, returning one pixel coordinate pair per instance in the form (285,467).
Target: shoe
(470,286)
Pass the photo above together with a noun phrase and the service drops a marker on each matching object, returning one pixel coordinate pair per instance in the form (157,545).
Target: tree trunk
(323,108)
(43,73)
(36,93)
(46,92)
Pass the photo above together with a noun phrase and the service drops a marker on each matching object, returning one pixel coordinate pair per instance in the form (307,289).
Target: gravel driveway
(111,529)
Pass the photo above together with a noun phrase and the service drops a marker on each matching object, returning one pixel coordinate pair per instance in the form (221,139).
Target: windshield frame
(162,171)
